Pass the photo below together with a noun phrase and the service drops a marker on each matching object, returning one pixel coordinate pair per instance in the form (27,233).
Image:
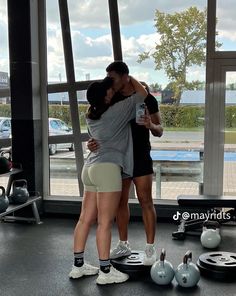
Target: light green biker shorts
(102,177)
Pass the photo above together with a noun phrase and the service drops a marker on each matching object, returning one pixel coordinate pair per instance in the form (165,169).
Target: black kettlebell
(5,163)
(4,202)
(20,192)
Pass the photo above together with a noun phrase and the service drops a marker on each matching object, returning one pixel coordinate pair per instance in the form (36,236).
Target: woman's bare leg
(87,218)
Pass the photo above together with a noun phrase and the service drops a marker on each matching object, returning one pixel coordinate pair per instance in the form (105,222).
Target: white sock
(124,242)
(149,245)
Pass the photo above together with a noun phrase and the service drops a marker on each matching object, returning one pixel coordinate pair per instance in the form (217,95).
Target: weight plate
(133,264)
(216,275)
(218,261)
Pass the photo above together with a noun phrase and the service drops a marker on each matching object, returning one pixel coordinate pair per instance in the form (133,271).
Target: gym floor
(35,261)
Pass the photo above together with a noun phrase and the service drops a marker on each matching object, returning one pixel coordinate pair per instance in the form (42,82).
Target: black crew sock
(79,259)
(105,265)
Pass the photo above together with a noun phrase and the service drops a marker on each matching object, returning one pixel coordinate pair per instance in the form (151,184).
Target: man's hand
(152,122)
(92,145)
(146,120)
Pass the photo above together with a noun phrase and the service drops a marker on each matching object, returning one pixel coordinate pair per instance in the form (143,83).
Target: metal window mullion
(43,92)
(70,74)
(214,125)
(211,27)
(66,87)
(115,30)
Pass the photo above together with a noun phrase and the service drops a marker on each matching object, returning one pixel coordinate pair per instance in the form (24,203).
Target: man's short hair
(119,67)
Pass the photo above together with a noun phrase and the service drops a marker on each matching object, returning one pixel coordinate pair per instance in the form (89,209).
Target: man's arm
(156,127)
(153,123)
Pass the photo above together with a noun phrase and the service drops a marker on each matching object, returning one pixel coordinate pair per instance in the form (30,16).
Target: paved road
(169,136)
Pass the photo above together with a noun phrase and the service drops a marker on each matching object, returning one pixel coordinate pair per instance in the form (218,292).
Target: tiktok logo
(184,216)
(176,216)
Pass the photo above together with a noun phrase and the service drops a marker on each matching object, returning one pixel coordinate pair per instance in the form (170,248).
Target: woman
(102,175)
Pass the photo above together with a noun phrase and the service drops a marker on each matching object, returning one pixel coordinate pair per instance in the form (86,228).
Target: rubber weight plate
(218,265)
(132,265)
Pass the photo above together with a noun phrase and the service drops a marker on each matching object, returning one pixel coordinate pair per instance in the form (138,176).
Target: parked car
(59,127)
(56,127)
(5,127)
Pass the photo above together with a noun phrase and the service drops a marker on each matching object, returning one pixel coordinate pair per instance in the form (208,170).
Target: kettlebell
(20,193)
(187,273)
(5,163)
(4,202)
(162,272)
(210,237)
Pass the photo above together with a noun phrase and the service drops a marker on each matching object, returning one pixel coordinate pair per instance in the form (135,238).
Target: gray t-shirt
(113,134)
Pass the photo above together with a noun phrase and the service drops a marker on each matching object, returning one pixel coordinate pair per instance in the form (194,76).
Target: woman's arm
(138,87)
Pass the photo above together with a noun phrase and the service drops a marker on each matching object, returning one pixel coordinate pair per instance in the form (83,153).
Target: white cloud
(90,27)
(229,34)
(85,46)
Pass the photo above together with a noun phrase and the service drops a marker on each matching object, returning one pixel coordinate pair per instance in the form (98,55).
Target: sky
(91,36)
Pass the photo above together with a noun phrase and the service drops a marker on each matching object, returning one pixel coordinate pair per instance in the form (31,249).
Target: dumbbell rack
(12,208)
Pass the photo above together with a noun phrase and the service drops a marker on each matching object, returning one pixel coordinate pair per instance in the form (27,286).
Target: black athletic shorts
(142,165)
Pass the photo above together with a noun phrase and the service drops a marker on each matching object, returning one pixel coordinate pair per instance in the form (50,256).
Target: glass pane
(5,107)
(91,38)
(230,135)
(55,55)
(63,175)
(4,53)
(180,91)
(226,36)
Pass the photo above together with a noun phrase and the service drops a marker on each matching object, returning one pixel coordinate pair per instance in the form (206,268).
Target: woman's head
(99,95)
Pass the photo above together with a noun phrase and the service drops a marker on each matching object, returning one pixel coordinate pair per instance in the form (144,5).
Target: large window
(177,154)
(172,62)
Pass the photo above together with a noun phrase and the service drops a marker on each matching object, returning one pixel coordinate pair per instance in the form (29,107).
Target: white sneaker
(112,277)
(121,250)
(85,269)
(149,255)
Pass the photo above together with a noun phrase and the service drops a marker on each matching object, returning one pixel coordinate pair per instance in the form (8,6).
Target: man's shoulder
(150,98)
(151,103)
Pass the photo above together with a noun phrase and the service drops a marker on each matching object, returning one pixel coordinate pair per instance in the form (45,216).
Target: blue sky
(91,36)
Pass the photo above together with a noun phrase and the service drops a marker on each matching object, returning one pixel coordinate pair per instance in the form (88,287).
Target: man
(143,170)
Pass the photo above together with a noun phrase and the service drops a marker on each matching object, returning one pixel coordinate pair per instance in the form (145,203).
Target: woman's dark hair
(96,93)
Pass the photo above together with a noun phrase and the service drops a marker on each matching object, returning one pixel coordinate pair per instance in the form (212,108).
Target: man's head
(119,71)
